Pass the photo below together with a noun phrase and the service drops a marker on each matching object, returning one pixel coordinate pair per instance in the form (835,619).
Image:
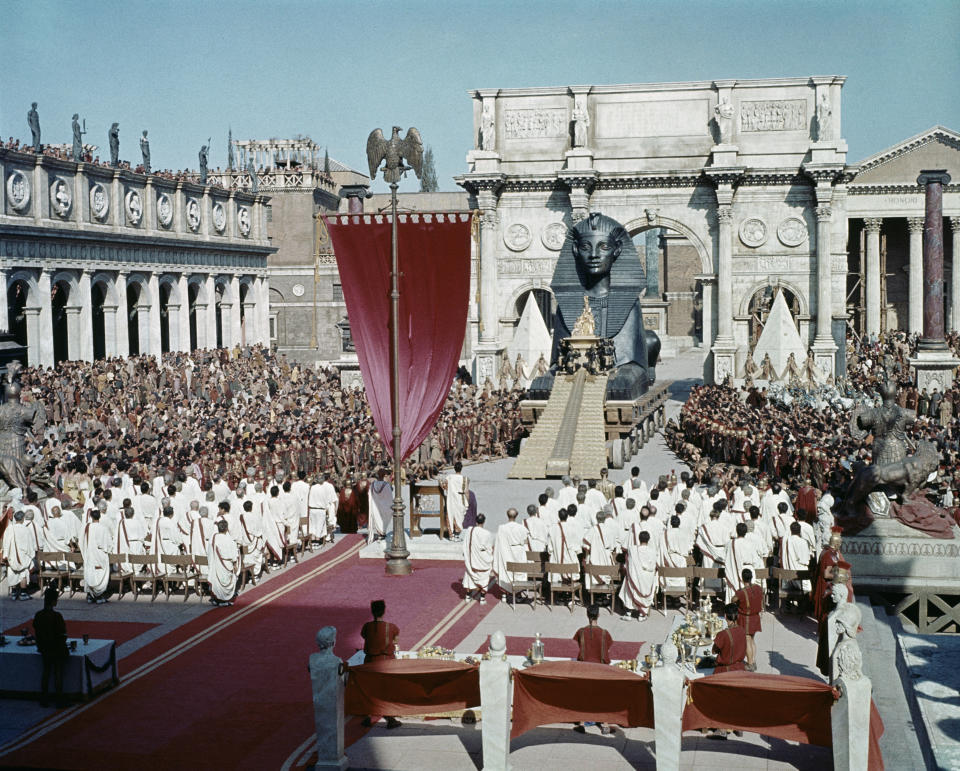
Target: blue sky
(336,70)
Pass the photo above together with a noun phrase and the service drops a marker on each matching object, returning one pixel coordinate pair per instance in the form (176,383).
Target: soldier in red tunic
(749,601)
(379,642)
(829,558)
(594,645)
(730,644)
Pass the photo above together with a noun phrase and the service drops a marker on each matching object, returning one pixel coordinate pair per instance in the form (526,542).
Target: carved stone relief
(517,237)
(99,202)
(753,232)
(792,231)
(243,221)
(164,210)
(549,123)
(774,115)
(193,214)
(61,200)
(18,191)
(134,206)
(219,217)
(554,235)
(525,267)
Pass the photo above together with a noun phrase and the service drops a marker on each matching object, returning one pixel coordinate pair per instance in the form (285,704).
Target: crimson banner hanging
(434,257)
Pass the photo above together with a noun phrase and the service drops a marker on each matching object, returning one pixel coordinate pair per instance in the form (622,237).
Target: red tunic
(829,557)
(378,639)
(730,645)
(594,644)
(807,503)
(750,601)
(348,509)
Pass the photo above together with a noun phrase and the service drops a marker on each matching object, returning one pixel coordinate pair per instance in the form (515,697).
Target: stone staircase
(569,436)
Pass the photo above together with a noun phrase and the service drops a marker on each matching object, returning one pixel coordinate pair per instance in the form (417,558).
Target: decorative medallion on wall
(61,200)
(753,232)
(792,231)
(517,237)
(99,202)
(298,290)
(164,210)
(219,217)
(554,235)
(18,191)
(243,221)
(134,205)
(193,214)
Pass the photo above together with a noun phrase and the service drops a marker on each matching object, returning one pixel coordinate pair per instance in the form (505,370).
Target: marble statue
(599,260)
(488,128)
(581,123)
(824,118)
(77,139)
(113,137)
(767,372)
(16,420)
(230,157)
(846,661)
(145,152)
(585,325)
(724,117)
(252,171)
(750,367)
(892,471)
(33,121)
(327,679)
(204,151)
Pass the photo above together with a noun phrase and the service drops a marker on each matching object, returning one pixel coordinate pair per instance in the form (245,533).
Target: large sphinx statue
(599,261)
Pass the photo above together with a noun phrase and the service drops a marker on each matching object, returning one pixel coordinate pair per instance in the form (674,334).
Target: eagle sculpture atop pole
(394,152)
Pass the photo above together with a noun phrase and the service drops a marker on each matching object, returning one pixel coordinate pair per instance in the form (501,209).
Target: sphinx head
(597,242)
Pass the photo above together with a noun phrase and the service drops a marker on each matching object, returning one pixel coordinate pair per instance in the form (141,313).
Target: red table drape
(571,691)
(792,708)
(434,257)
(411,687)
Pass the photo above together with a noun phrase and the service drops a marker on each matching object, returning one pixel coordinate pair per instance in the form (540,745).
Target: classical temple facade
(733,190)
(98,262)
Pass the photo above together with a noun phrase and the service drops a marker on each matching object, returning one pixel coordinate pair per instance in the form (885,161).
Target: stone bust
(847,660)
(600,261)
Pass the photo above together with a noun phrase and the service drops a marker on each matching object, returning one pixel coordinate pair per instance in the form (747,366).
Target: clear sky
(187,70)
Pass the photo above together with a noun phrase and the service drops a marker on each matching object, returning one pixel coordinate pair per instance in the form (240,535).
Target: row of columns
(253,327)
(872,227)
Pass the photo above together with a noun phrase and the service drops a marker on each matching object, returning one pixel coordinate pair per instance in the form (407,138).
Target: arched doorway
(164,318)
(59,297)
(193,290)
(244,291)
(545,303)
(97,298)
(760,304)
(133,318)
(17,294)
(219,314)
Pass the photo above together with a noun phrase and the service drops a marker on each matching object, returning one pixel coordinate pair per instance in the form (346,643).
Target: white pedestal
(579,159)
(935,369)
(724,155)
(850,725)
(495,704)
(328,686)
(667,684)
(483,161)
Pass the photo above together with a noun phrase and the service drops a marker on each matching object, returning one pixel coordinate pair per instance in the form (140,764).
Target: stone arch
(200,284)
(68,277)
(170,280)
(640,224)
(509,309)
(28,277)
(110,288)
(774,281)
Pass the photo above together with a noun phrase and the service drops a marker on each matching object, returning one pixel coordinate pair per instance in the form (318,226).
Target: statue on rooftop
(113,137)
(33,121)
(77,139)
(145,152)
(252,171)
(204,150)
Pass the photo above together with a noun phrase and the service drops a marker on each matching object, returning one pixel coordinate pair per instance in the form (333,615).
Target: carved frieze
(543,123)
(193,214)
(554,235)
(99,202)
(18,191)
(164,210)
(525,267)
(219,217)
(792,231)
(61,200)
(243,221)
(774,263)
(774,115)
(753,232)
(897,548)
(517,237)
(134,206)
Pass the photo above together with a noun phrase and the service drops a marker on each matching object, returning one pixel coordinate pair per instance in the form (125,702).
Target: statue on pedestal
(204,151)
(33,121)
(252,171)
(488,128)
(585,325)
(77,139)
(724,117)
(16,420)
(581,123)
(145,152)
(113,137)
(599,261)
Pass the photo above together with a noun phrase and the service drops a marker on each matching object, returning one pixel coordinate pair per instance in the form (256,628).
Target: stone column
(495,704)
(143,326)
(149,206)
(183,318)
(156,341)
(955,277)
(81,200)
(117,214)
(850,724)
(123,320)
(915,315)
(226,323)
(41,193)
(872,228)
(73,332)
(354,195)
(33,337)
(110,330)
(173,326)
(652,259)
(235,311)
(44,336)
(201,310)
(824,347)
(210,320)
(725,272)
(489,230)
(4,311)
(86,317)
(265,310)
(250,326)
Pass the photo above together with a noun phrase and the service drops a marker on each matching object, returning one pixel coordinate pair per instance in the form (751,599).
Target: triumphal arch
(743,181)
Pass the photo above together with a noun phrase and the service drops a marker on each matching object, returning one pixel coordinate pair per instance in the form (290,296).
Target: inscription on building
(535,124)
(527,267)
(774,115)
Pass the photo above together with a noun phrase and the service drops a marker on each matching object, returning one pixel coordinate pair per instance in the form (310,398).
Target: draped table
(89,669)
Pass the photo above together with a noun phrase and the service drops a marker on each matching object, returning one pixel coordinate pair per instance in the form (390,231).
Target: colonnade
(115,312)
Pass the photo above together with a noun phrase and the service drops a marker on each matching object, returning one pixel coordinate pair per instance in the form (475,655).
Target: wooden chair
(532,583)
(611,572)
(200,561)
(761,574)
(305,537)
(290,548)
(74,562)
(120,575)
(538,556)
(574,586)
(50,570)
(183,573)
(245,570)
(686,574)
(709,574)
(784,578)
(144,571)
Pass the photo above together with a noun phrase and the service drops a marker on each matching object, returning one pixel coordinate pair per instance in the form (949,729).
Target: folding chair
(686,574)
(50,570)
(120,575)
(533,581)
(573,585)
(611,572)
(144,571)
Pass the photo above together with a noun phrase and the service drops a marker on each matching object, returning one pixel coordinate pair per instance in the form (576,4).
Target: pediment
(937,148)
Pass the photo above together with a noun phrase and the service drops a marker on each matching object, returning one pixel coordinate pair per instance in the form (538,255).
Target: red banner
(434,257)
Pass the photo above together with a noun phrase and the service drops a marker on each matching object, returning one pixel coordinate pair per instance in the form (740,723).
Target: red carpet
(230,688)
(118,631)
(556,646)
